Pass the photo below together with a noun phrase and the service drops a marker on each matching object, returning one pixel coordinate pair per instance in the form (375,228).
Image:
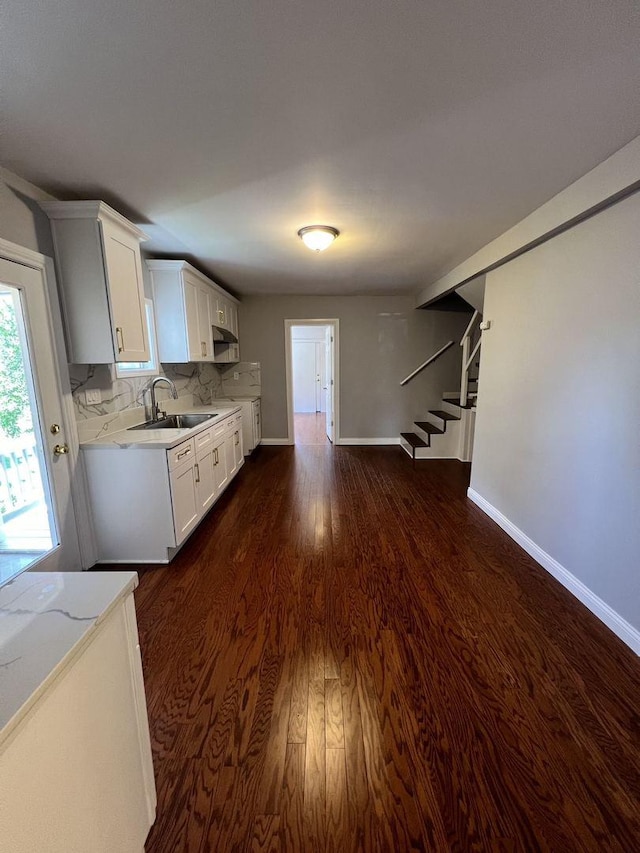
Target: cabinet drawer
(221,427)
(181,453)
(203,439)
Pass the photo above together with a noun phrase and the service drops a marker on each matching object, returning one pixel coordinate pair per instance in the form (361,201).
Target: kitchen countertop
(46,618)
(159,439)
(240,398)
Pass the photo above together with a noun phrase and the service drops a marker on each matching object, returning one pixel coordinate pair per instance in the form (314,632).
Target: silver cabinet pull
(185,452)
(197,467)
(120,338)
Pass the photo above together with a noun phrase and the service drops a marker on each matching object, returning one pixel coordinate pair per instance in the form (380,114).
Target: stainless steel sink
(176,422)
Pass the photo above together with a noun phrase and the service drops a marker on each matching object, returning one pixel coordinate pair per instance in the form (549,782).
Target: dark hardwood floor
(310,428)
(349,655)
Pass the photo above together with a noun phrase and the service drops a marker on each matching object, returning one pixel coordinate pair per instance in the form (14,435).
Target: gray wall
(21,220)
(557,443)
(382,338)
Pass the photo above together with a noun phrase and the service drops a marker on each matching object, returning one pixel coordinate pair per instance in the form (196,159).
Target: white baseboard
(366,442)
(627,633)
(274,441)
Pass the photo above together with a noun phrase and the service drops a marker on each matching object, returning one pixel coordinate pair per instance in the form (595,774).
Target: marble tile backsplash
(202,381)
(247,383)
(125,402)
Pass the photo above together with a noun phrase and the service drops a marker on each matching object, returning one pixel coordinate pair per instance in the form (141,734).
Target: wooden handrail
(467,357)
(427,362)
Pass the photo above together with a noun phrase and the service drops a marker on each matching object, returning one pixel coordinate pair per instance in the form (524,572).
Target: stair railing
(426,363)
(468,354)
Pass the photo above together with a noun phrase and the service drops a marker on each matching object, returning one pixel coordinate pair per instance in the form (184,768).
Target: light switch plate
(236,375)
(92,396)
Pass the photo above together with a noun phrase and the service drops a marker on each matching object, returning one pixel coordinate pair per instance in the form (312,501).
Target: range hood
(223,336)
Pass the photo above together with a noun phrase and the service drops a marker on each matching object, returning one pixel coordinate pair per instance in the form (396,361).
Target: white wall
(557,443)
(307,363)
(382,339)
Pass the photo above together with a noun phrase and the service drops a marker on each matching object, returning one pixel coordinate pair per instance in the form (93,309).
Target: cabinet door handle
(203,348)
(237,438)
(216,453)
(197,467)
(120,338)
(185,452)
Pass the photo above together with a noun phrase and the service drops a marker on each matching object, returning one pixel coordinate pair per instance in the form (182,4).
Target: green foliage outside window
(15,413)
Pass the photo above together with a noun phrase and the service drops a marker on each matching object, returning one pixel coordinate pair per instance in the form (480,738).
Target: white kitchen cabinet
(76,771)
(100,276)
(257,422)
(145,501)
(187,306)
(237,443)
(230,454)
(185,500)
(251,431)
(222,471)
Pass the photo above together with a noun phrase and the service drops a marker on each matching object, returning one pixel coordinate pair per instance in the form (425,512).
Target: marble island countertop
(46,618)
(160,439)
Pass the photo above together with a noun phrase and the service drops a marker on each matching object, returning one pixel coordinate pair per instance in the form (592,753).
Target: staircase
(447,432)
(442,434)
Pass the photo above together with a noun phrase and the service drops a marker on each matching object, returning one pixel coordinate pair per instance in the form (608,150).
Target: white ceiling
(421,129)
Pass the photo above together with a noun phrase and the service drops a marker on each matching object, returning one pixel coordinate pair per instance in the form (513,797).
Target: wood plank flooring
(310,428)
(349,655)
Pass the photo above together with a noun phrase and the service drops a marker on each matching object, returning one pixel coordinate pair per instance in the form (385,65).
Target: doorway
(311,349)
(37,523)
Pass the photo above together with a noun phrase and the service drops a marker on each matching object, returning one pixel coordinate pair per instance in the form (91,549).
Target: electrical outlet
(92,396)
(236,375)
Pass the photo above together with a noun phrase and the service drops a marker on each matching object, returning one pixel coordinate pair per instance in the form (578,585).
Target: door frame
(79,498)
(334,323)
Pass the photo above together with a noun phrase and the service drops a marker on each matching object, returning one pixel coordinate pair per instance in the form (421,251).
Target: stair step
(429,428)
(413,439)
(444,416)
(455,401)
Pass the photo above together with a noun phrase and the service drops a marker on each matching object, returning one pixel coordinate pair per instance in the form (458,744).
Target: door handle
(60,449)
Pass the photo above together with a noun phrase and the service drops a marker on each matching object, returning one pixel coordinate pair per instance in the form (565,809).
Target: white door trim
(79,492)
(334,323)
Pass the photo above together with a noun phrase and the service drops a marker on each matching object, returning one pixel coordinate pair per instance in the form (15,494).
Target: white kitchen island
(76,774)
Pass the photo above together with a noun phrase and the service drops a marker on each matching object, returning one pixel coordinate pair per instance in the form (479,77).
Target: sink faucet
(156,413)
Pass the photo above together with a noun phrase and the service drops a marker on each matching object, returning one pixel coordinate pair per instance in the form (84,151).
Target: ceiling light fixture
(318,237)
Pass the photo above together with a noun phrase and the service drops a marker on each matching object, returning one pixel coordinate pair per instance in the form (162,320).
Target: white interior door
(304,376)
(321,378)
(329,362)
(37,521)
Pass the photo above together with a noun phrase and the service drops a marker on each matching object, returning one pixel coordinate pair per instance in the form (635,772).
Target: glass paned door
(34,470)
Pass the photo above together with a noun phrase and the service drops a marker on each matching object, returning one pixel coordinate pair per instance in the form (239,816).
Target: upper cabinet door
(204,322)
(222,313)
(188,305)
(195,343)
(126,293)
(100,278)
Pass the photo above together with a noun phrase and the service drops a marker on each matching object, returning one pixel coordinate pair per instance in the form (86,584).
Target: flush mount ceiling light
(318,237)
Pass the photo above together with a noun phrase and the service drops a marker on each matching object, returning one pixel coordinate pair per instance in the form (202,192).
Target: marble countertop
(240,398)
(160,439)
(46,618)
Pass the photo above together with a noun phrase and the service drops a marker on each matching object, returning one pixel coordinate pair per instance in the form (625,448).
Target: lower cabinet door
(237,445)
(230,453)
(184,500)
(220,466)
(205,479)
